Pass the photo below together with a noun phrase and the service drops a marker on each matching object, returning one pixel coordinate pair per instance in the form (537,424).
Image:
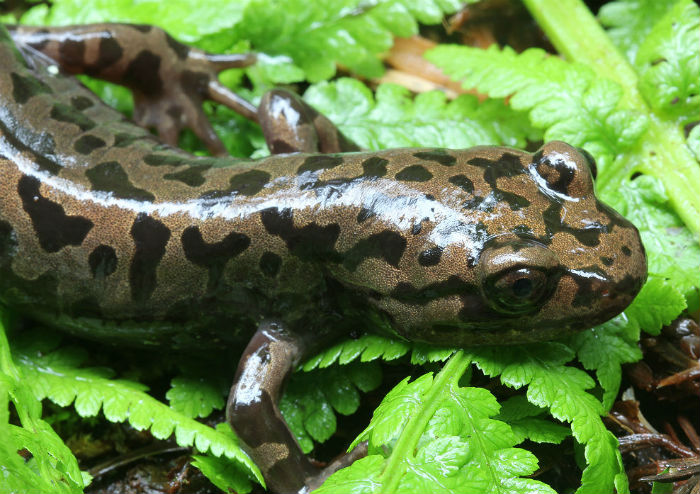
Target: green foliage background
(625,90)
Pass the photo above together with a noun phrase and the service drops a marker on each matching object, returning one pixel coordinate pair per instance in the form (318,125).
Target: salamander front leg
(253,412)
(290,125)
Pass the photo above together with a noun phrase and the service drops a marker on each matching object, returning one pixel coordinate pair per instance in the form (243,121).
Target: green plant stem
(10,374)
(6,365)
(661,151)
(406,445)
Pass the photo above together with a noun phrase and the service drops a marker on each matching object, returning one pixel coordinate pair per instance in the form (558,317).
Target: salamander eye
(518,276)
(517,291)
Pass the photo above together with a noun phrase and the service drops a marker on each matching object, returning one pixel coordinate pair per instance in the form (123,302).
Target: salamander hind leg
(254,414)
(290,125)
(168,79)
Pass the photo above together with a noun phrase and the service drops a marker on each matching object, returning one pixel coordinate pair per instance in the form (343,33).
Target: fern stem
(6,365)
(406,445)
(576,34)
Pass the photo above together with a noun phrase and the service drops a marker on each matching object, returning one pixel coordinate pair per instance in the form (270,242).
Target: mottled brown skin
(110,234)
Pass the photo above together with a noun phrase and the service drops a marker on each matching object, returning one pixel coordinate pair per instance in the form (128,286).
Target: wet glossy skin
(108,233)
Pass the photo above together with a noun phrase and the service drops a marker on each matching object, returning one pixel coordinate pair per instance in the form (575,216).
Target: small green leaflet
(194,397)
(604,349)
(223,473)
(526,422)
(694,141)
(657,305)
(370,347)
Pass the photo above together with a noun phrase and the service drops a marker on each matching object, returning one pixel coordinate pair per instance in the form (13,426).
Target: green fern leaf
(605,348)
(53,467)
(657,305)
(368,347)
(694,141)
(316,36)
(311,400)
(561,389)
(564,98)
(526,422)
(393,118)
(431,435)
(222,473)
(55,377)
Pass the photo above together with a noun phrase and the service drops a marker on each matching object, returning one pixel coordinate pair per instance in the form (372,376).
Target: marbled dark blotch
(53,227)
(109,176)
(142,73)
(68,114)
(150,238)
(249,183)
(387,245)
(430,257)
(414,173)
(214,255)
(374,167)
(87,143)
(364,215)
(191,175)
(110,51)
(72,52)
(181,51)
(437,155)
(463,182)
(25,88)
(319,162)
(312,242)
(81,103)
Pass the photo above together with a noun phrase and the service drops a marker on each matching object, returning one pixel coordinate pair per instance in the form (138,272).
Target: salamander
(116,235)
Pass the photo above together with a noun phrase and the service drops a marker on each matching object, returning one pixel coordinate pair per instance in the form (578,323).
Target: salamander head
(559,261)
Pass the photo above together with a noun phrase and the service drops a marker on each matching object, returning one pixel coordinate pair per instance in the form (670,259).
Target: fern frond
(54,376)
(566,99)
